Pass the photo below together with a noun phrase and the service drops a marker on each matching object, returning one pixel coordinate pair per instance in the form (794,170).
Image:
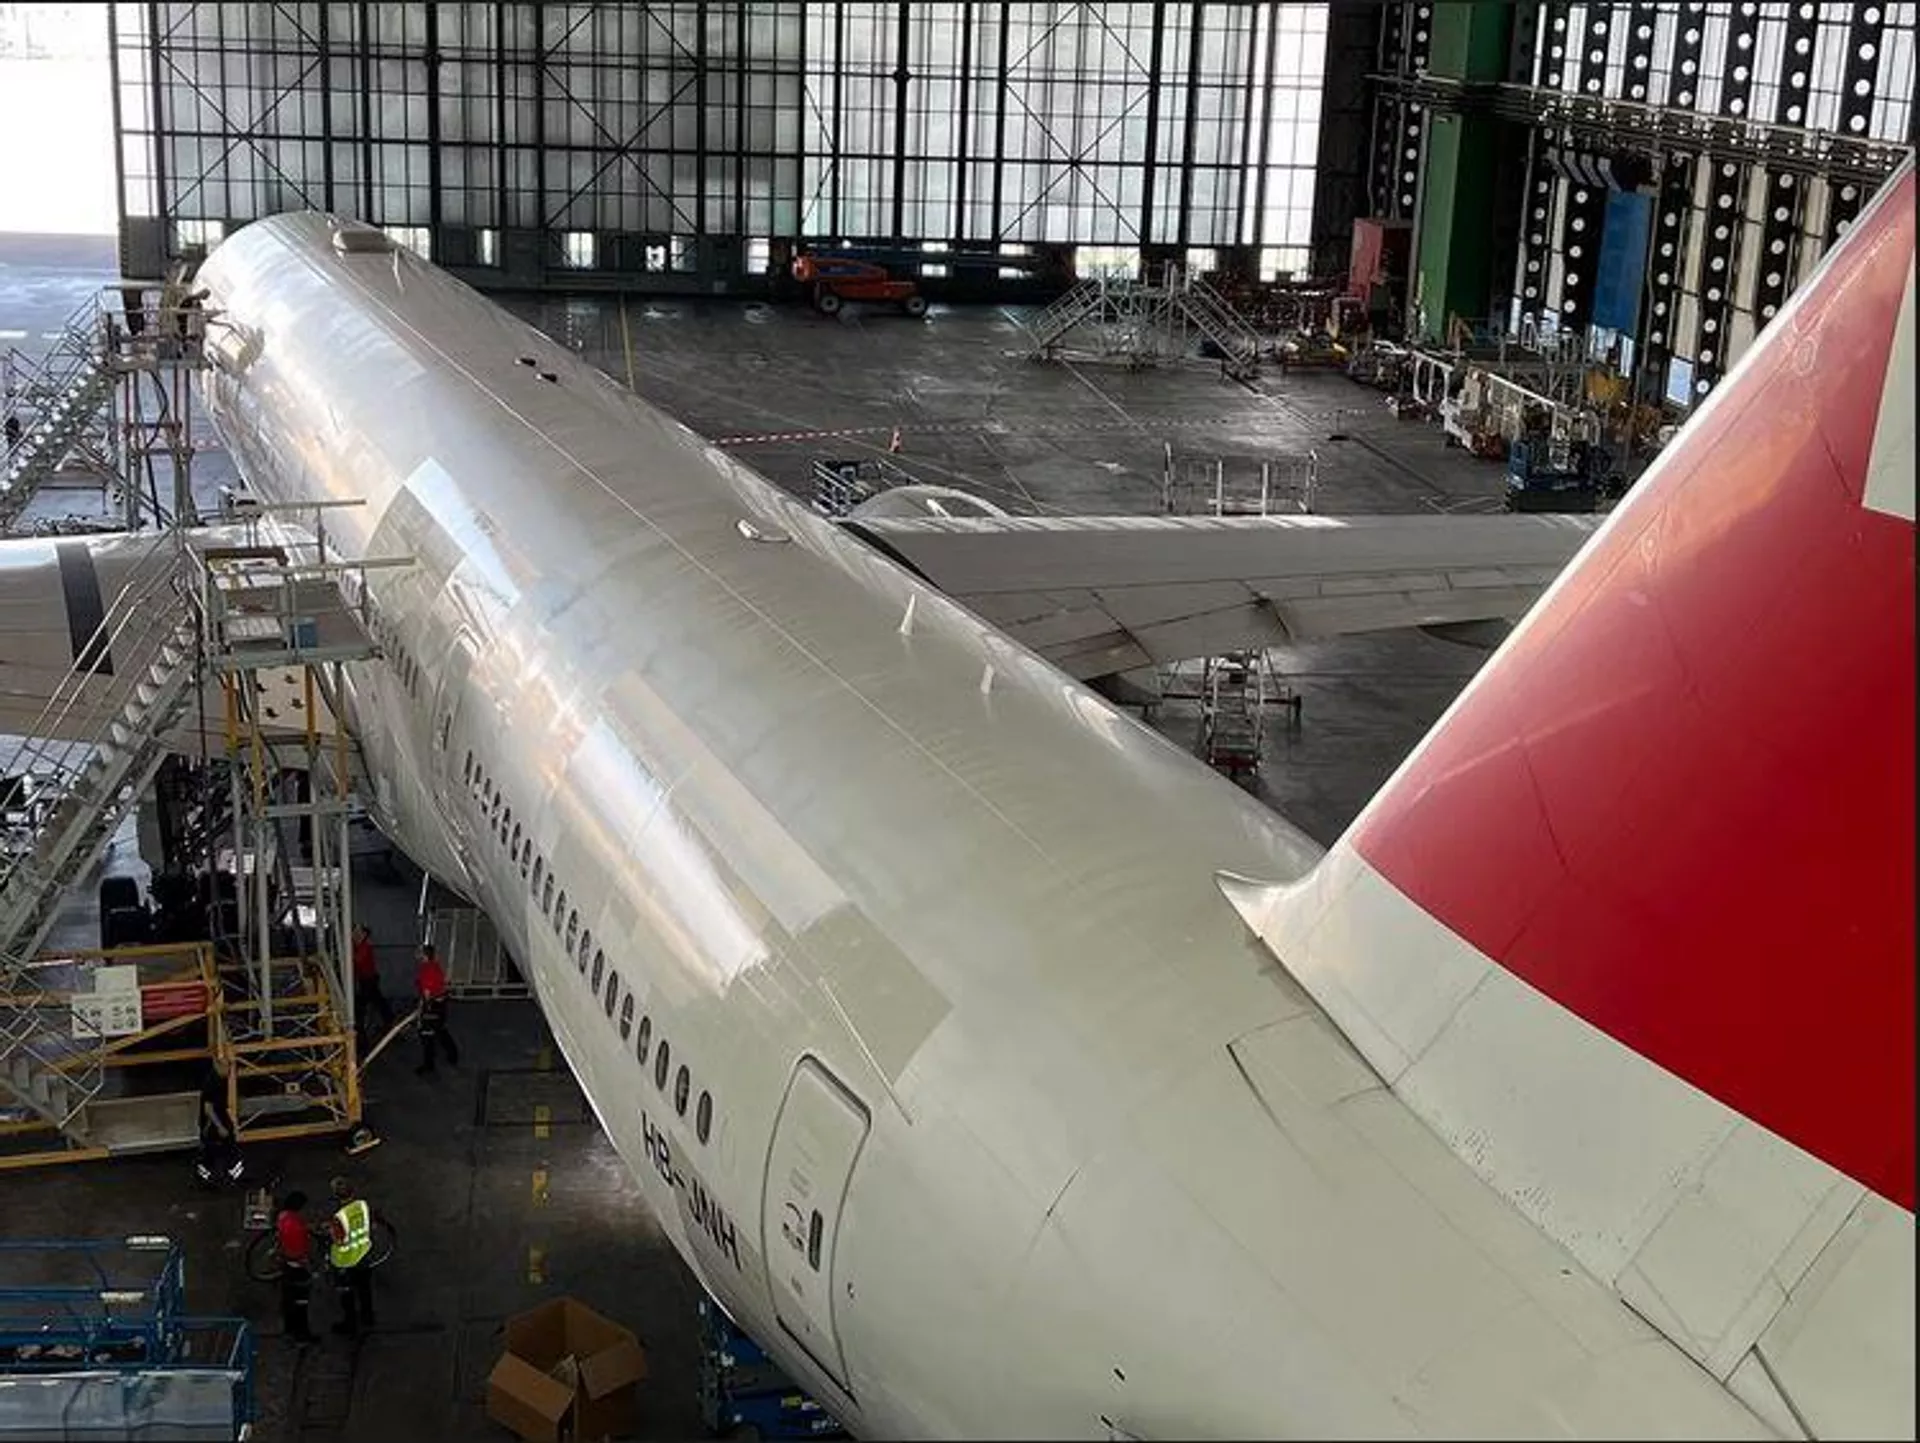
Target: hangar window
(703,1116)
(682,1084)
(662,1062)
(816,1235)
(613,992)
(626,1016)
(644,1040)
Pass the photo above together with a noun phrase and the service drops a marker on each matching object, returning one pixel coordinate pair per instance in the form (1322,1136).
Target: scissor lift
(95,1343)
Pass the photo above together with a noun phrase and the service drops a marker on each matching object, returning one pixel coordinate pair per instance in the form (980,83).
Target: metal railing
(50,404)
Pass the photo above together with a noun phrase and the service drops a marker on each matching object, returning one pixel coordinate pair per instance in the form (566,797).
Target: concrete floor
(496,1212)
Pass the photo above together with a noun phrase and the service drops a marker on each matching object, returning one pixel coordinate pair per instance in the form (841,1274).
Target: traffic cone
(893,442)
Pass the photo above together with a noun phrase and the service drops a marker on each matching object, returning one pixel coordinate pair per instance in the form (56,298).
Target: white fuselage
(1010,1126)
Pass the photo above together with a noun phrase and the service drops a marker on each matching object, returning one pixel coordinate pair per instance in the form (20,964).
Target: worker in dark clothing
(219,1140)
(296,1267)
(368,999)
(430,982)
(349,1255)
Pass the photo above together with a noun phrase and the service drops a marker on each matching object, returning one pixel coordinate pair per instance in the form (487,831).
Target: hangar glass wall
(691,139)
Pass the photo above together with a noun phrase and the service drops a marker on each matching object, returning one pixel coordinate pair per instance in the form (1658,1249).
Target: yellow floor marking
(539,1186)
(542,1116)
(536,1265)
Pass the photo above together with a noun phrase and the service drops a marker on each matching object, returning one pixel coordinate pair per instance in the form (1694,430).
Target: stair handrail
(1213,310)
(158,569)
(78,342)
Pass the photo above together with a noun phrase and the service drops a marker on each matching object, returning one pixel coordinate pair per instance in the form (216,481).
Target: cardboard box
(602,1359)
(521,1397)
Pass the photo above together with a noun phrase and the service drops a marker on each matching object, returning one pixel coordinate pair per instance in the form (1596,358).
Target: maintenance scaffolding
(255,625)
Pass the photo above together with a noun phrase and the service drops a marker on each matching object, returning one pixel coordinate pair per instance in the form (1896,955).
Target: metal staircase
(1144,323)
(1216,320)
(112,715)
(56,401)
(1067,313)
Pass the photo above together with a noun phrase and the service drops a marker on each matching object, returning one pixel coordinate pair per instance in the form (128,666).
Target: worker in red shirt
(368,998)
(296,1267)
(430,982)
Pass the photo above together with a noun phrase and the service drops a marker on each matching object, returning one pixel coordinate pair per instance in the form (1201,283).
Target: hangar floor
(495,1210)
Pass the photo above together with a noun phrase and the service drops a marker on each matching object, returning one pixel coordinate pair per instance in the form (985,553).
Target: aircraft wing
(1103,594)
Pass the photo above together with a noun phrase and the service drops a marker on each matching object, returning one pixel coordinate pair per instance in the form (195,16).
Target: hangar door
(815,1144)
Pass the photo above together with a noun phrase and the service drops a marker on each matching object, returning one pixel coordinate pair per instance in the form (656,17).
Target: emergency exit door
(816,1141)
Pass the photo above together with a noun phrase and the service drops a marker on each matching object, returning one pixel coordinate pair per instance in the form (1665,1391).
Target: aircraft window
(626,1017)
(681,1085)
(539,871)
(661,1064)
(526,856)
(559,911)
(641,1043)
(816,1234)
(546,894)
(499,801)
(466,772)
(573,931)
(599,969)
(613,991)
(514,851)
(506,821)
(703,1116)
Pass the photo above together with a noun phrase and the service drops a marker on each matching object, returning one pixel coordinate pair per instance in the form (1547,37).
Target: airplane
(1007,1072)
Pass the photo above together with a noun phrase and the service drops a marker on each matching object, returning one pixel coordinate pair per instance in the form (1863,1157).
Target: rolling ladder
(111,717)
(1236,690)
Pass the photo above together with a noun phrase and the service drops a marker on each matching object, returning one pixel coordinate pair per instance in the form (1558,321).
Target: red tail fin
(1680,802)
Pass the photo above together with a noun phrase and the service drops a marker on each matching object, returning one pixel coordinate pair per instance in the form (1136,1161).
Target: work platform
(263,619)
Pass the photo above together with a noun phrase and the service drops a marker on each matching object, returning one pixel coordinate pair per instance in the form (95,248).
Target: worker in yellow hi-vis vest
(350,1256)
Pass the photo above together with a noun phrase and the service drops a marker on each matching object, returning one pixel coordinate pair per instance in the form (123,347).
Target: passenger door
(816,1140)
